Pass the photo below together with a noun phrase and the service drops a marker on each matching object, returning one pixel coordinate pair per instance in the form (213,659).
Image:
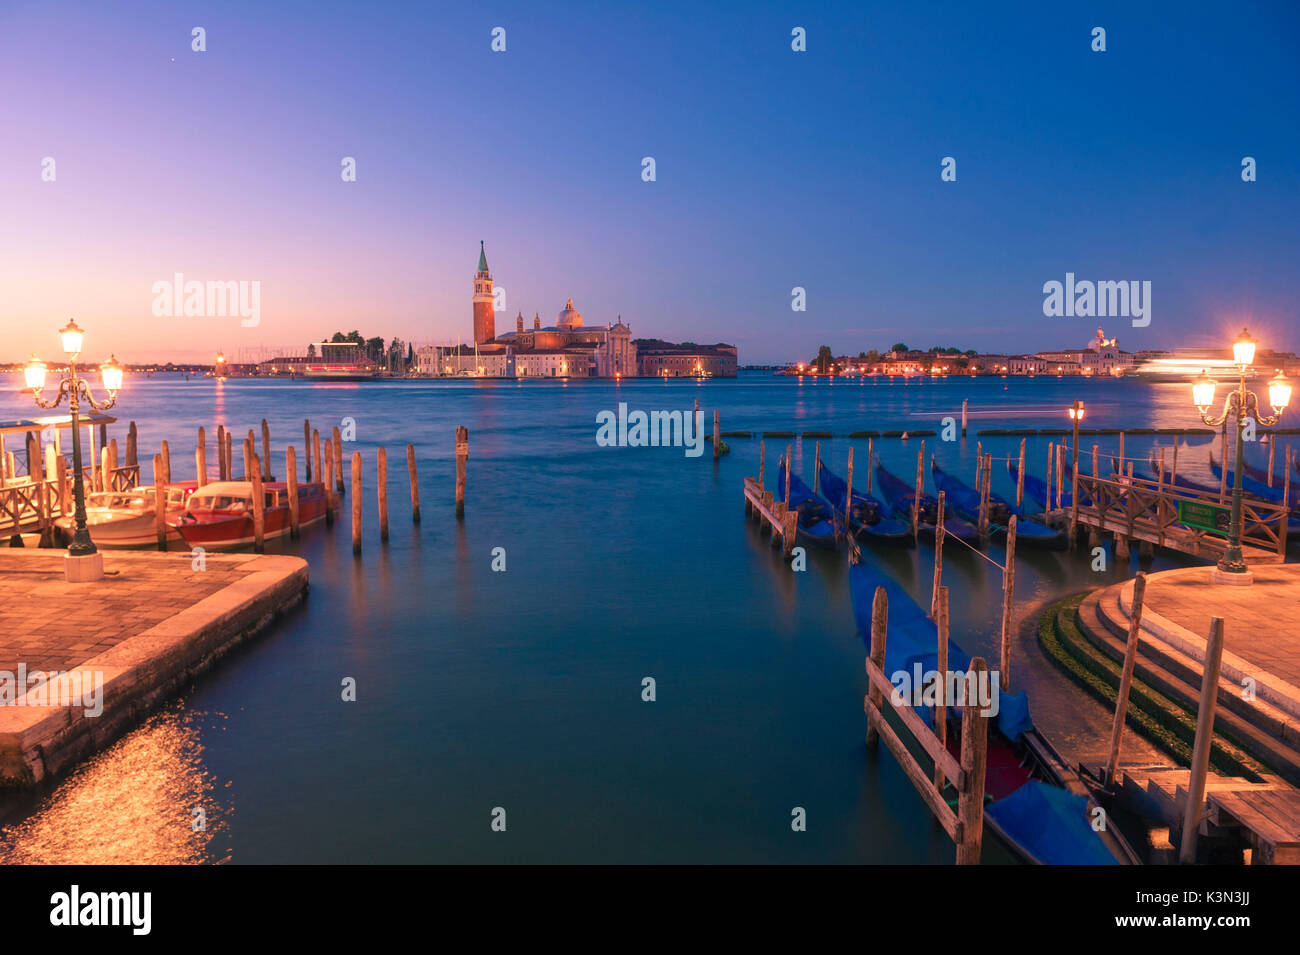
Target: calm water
(522,689)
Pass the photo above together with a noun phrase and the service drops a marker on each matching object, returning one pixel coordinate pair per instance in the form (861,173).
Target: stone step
(1150,669)
(1257,712)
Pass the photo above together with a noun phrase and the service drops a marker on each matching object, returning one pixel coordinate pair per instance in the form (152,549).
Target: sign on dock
(1203,516)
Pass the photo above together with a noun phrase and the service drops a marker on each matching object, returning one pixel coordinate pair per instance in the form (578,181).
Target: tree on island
(899,347)
(311,350)
(824,359)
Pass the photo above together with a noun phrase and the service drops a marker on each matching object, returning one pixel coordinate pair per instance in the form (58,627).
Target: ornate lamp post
(1075,411)
(83,562)
(1241,404)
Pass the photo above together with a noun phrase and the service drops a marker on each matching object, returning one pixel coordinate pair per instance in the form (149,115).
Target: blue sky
(775,169)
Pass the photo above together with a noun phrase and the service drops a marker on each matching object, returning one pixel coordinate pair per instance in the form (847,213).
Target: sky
(774,170)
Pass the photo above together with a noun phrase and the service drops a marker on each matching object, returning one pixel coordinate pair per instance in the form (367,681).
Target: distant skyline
(775,169)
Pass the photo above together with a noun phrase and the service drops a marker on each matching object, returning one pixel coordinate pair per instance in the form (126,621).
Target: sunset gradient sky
(775,169)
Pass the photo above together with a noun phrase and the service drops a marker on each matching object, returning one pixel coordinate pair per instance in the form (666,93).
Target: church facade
(567,348)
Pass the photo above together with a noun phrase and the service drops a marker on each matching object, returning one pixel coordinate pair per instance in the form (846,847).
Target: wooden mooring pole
(306,449)
(1020,476)
(415,483)
(266,453)
(462,457)
(259,502)
(974,761)
(716,437)
(291,475)
(356,502)
(879,623)
(1195,808)
(338,461)
(762,460)
(381,482)
(938,560)
(848,502)
(1008,605)
(918,490)
(132,459)
(166,463)
(789,448)
(327,482)
(201,458)
(315,456)
(941,666)
(1126,679)
(159,502)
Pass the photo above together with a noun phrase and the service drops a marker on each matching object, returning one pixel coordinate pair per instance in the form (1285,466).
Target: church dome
(570,317)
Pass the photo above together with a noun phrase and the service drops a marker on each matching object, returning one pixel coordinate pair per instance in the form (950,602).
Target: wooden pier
(782,522)
(1135,508)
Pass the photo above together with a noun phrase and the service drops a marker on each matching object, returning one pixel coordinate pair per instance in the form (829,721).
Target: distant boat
(124,519)
(219,516)
(339,361)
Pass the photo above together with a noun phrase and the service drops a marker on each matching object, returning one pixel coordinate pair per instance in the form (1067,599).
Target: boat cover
(912,638)
(1051,824)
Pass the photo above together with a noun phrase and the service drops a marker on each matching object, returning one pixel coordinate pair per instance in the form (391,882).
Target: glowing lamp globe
(1279,392)
(1203,393)
(35,374)
(72,336)
(1243,349)
(111,373)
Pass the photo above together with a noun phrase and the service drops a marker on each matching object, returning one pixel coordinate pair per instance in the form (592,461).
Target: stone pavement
(136,636)
(51,625)
(1261,623)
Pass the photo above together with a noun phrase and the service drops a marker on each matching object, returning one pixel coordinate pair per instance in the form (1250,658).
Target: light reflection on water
(132,804)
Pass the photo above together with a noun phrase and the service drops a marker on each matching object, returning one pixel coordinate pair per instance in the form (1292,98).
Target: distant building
(659,359)
(484,303)
(570,348)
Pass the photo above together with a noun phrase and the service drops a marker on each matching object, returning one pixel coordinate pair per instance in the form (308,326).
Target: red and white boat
(126,518)
(219,516)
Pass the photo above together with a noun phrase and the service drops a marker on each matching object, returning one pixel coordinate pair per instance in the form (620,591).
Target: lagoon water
(522,689)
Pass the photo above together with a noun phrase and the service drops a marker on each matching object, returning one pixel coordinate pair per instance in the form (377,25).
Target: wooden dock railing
(1146,509)
(30,504)
(965,826)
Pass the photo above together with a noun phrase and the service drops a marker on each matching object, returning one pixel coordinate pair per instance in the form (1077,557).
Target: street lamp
(1075,411)
(1241,404)
(85,562)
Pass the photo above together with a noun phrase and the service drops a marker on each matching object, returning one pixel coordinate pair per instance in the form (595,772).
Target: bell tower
(484,313)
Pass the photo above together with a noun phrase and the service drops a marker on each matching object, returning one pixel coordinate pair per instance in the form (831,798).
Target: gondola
(898,495)
(1258,487)
(1035,805)
(816,524)
(1036,488)
(965,500)
(866,518)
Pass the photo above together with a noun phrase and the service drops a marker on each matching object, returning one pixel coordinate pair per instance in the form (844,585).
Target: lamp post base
(83,569)
(1242,579)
